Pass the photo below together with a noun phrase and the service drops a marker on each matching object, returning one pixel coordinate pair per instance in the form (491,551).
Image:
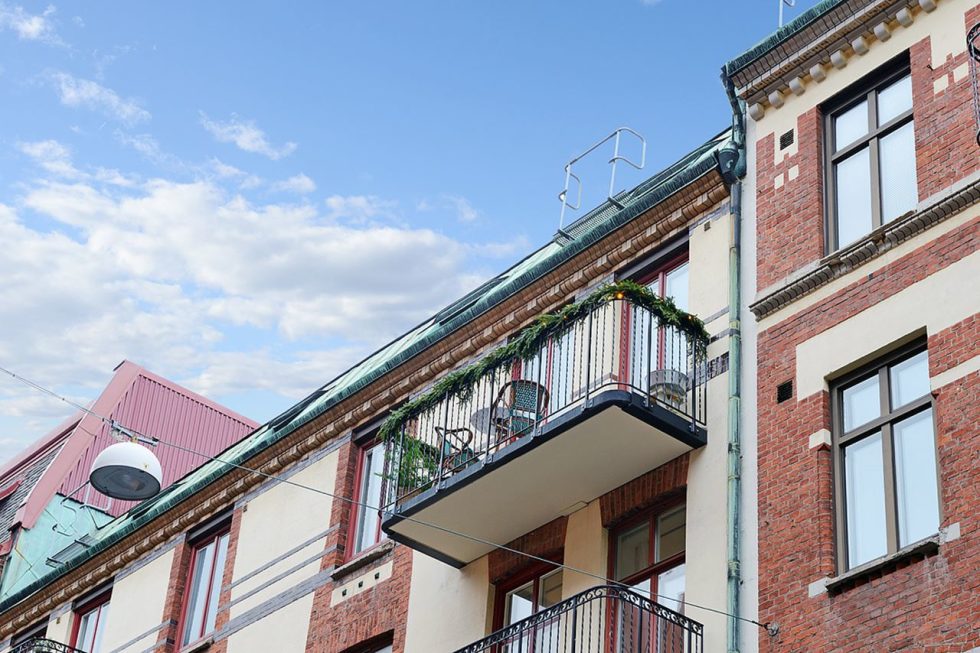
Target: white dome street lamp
(126,470)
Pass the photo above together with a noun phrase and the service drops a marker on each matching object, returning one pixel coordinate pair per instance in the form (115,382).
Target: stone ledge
(363,560)
(876,243)
(883,565)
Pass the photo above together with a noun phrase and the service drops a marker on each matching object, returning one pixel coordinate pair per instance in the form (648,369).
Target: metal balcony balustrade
(618,349)
(604,619)
(42,645)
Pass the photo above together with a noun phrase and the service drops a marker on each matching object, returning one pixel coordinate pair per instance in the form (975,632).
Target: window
(204,586)
(664,363)
(366,528)
(526,595)
(885,458)
(870,142)
(648,555)
(89,625)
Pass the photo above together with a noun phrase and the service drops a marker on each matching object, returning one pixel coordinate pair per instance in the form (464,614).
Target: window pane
(676,285)
(200,577)
(915,478)
(853,176)
(216,576)
(909,380)
(100,628)
(670,534)
(864,490)
(670,588)
(899,193)
(519,604)
(851,125)
(633,551)
(370,498)
(894,100)
(862,403)
(550,592)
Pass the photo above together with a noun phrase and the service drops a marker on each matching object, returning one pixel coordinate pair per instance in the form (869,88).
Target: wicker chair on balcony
(519,406)
(457,452)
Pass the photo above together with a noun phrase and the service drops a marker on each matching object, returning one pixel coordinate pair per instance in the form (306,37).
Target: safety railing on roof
(622,337)
(42,645)
(605,619)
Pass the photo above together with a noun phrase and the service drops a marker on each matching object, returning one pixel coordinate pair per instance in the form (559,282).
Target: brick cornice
(876,243)
(634,239)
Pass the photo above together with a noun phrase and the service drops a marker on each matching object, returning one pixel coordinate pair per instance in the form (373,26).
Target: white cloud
(76,92)
(225,171)
(27,26)
(246,135)
(300,184)
(464,210)
(55,158)
(359,208)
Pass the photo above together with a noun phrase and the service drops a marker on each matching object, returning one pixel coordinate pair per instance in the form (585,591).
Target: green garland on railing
(531,339)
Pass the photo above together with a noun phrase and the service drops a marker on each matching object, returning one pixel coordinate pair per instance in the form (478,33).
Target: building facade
(581,455)
(861,297)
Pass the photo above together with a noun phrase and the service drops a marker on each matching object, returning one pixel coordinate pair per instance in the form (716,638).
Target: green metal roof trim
(779,36)
(588,230)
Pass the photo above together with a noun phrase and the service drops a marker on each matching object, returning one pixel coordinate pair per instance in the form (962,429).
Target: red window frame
(357,510)
(534,573)
(198,545)
(659,275)
(85,608)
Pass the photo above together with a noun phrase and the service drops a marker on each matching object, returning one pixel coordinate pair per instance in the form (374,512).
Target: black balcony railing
(605,619)
(41,645)
(617,344)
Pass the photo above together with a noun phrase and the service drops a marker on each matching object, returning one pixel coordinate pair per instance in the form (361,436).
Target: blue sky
(248,197)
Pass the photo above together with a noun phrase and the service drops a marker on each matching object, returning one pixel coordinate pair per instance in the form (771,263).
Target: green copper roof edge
(778,37)
(654,192)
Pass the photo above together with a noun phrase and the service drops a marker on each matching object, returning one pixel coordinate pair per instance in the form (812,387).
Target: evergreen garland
(461,382)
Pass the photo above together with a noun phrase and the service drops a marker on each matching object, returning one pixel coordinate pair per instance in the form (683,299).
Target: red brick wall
(945,126)
(790,222)
(174,603)
(547,541)
(658,487)
(921,604)
(790,226)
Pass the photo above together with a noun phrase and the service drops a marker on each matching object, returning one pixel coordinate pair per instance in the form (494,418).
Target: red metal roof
(140,401)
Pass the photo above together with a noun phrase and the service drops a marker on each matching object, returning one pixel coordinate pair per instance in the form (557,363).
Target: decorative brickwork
(547,541)
(661,486)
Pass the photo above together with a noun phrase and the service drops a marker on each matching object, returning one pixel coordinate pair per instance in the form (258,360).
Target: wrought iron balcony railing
(42,645)
(617,343)
(605,619)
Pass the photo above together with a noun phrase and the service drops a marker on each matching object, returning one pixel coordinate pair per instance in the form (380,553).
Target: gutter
(734,177)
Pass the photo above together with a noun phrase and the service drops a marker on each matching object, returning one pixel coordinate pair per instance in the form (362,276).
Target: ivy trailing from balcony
(461,382)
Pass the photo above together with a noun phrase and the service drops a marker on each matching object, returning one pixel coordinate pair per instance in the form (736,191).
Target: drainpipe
(734,177)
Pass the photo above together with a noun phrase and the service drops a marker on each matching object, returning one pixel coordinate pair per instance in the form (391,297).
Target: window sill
(202,644)
(883,565)
(363,559)
(930,212)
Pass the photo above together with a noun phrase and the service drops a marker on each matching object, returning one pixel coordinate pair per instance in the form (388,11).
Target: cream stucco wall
(136,607)
(447,607)
(283,631)
(59,627)
(274,524)
(586,548)
(940,301)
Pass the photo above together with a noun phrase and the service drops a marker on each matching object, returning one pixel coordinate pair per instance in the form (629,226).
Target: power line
(354,502)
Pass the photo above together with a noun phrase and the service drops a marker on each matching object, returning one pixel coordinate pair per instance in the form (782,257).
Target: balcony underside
(570,460)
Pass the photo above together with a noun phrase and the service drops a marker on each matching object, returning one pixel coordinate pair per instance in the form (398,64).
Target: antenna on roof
(616,157)
(787,3)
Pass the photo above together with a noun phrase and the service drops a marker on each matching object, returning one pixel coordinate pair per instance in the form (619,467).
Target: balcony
(41,645)
(605,619)
(583,401)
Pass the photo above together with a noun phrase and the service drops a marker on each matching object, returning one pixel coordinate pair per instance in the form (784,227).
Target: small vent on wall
(786,140)
(784,392)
